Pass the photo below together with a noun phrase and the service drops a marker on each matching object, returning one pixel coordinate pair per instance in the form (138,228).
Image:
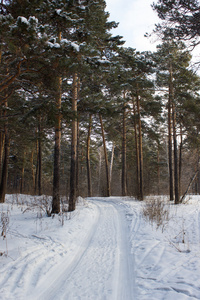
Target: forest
(82,115)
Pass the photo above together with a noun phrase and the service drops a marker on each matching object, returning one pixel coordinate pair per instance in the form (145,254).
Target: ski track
(39,273)
(114,255)
(106,245)
(32,264)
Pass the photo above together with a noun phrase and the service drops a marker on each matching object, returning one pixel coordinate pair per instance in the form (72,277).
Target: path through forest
(98,264)
(103,260)
(105,250)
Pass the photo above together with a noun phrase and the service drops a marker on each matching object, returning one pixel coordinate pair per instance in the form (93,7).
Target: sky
(135,17)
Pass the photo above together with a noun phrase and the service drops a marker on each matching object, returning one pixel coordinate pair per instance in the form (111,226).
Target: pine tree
(170,73)
(181,18)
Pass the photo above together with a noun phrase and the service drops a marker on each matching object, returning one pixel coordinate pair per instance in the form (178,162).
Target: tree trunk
(39,160)
(136,152)
(56,173)
(141,194)
(176,181)
(77,161)
(111,162)
(158,171)
(171,185)
(36,170)
(4,173)
(99,181)
(180,160)
(32,171)
(1,145)
(124,170)
(106,159)
(78,144)
(22,173)
(88,158)
(72,194)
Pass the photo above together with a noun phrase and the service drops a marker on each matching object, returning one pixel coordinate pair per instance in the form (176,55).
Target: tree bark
(158,171)
(176,181)
(32,171)
(106,159)
(72,195)
(56,173)
(88,158)
(99,175)
(22,173)
(171,185)
(111,162)
(2,140)
(141,194)
(39,159)
(3,185)
(37,164)
(136,152)
(180,160)
(4,172)
(77,161)
(124,170)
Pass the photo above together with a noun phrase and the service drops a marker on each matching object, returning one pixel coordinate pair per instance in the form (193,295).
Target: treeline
(82,115)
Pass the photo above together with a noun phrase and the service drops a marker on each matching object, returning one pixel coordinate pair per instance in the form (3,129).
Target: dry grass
(156,210)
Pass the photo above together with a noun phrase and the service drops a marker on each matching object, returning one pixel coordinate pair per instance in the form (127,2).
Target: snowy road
(103,261)
(104,250)
(97,265)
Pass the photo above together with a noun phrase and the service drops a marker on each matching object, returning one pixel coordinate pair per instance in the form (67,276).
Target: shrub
(155,210)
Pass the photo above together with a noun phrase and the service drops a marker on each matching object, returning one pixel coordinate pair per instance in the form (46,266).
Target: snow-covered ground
(105,250)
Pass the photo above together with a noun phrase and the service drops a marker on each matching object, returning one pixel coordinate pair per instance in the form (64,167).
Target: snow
(75,46)
(105,249)
(23,20)
(53,45)
(72,44)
